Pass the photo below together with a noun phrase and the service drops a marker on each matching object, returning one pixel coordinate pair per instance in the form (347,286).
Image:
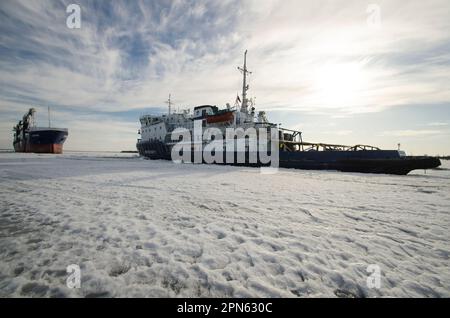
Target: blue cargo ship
(29,138)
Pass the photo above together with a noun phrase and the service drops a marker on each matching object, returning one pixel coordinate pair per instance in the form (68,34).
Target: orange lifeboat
(220,117)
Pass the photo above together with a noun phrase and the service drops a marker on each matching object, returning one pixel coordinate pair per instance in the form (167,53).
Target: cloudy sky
(329,68)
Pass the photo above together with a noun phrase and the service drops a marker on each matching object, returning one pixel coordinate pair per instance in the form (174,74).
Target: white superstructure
(157,128)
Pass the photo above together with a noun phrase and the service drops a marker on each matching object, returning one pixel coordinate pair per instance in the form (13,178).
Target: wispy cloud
(438,124)
(413,133)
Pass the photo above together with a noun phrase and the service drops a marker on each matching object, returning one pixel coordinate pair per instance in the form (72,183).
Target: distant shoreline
(65,151)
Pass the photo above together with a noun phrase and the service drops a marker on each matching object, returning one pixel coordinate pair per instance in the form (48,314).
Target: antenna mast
(169,102)
(245,87)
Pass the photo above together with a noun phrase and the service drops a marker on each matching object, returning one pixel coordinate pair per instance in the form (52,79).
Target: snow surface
(140,228)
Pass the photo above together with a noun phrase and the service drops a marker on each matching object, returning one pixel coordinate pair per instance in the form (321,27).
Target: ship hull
(364,161)
(397,166)
(42,141)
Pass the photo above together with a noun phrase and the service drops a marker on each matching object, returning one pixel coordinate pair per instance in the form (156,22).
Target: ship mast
(245,87)
(169,102)
(49,123)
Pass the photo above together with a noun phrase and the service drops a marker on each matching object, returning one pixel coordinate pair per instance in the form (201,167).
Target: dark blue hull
(364,161)
(51,136)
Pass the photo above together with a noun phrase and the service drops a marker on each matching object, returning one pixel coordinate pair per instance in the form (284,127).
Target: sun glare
(339,85)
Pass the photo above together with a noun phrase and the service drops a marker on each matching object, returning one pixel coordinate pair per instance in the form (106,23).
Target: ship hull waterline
(42,141)
(378,161)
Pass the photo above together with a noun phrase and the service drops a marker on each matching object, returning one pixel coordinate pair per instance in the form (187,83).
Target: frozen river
(139,228)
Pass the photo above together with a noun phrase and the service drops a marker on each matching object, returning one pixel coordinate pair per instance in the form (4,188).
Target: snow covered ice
(140,228)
